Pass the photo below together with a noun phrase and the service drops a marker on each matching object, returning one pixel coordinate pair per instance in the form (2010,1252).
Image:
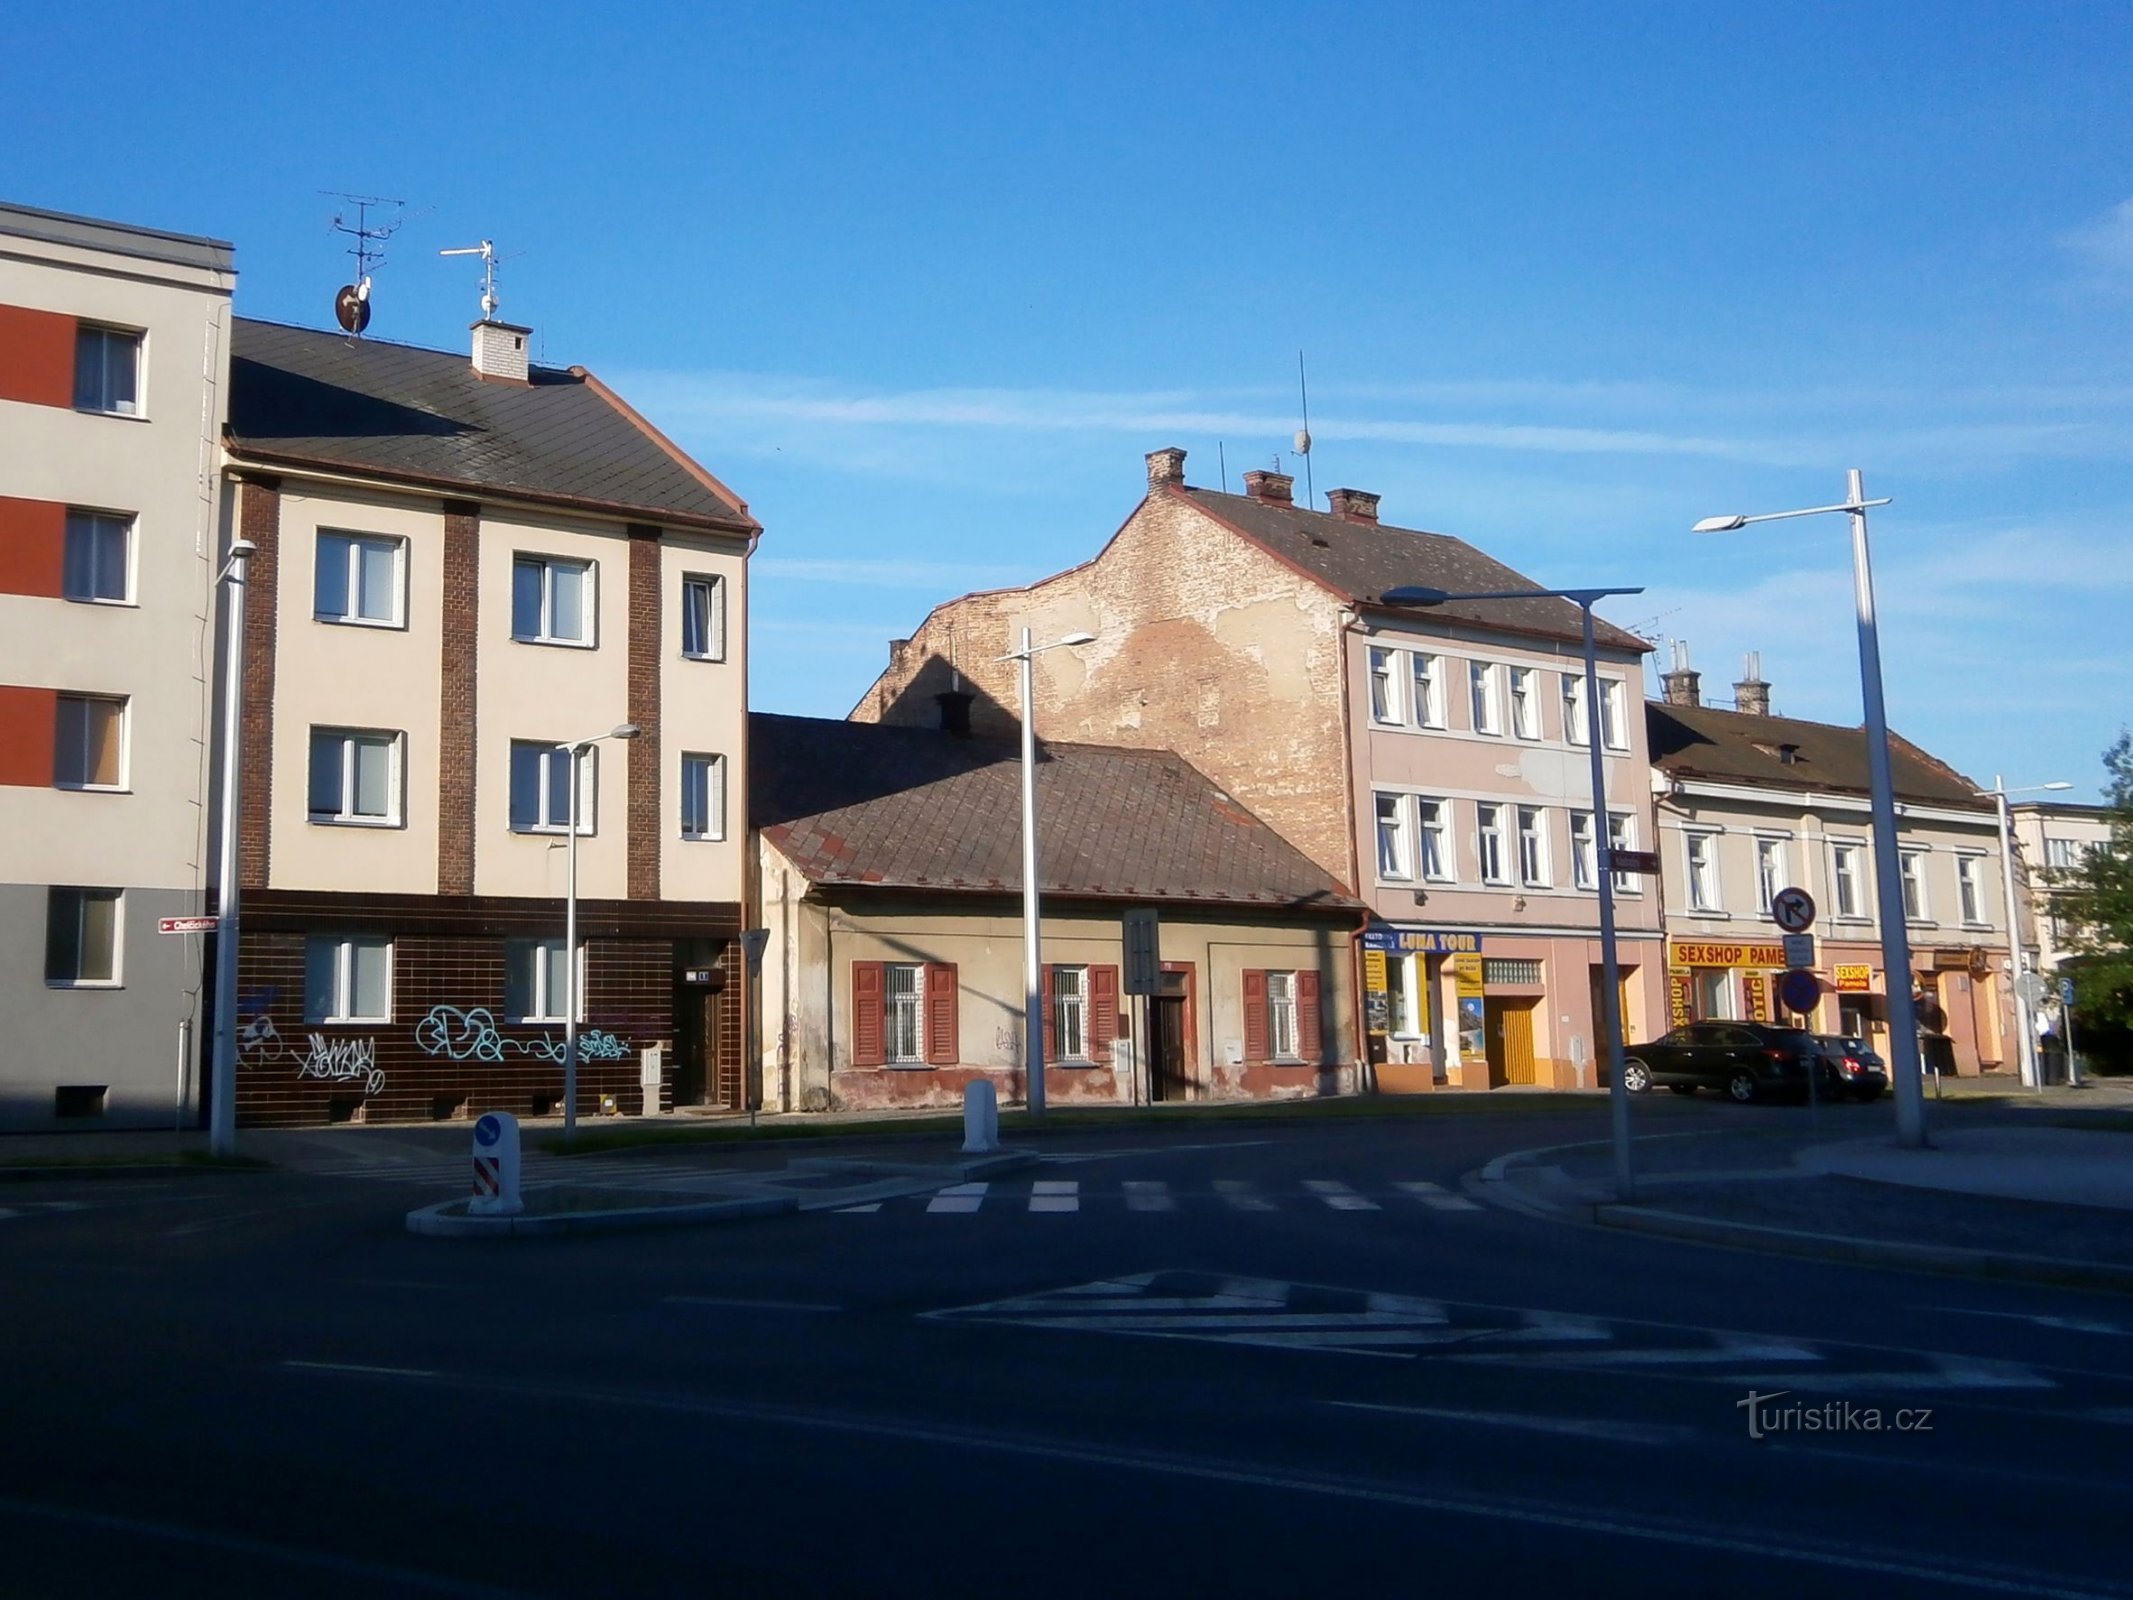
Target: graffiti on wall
(464,1033)
(260,1044)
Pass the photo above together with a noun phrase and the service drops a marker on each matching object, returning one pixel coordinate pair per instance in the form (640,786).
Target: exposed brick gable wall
(458,698)
(259,520)
(646,615)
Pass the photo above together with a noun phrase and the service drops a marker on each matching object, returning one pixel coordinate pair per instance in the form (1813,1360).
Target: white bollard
(981,1118)
(495,1166)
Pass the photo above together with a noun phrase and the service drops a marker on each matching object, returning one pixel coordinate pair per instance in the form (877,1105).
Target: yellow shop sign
(1729,955)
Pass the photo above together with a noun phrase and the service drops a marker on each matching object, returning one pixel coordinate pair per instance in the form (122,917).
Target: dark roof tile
(1737,747)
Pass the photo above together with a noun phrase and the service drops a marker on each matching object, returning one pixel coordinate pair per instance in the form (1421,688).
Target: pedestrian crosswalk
(1155,1195)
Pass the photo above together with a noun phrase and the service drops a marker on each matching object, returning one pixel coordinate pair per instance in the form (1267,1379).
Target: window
(540,788)
(703,797)
(1525,702)
(81,936)
(1769,871)
(1427,681)
(1436,839)
(906,1011)
(1481,681)
(1577,726)
(1621,835)
(348,980)
(1912,867)
(904,1014)
(98,562)
(357,577)
(1584,854)
(1844,877)
(1703,871)
(1070,1013)
(1533,847)
(1407,975)
(1497,970)
(1970,886)
(107,371)
(551,601)
(355,776)
(2061,855)
(1714,996)
(1395,859)
(703,618)
(1281,1015)
(1614,718)
(1489,843)
(1384,688)
(536,981)
(89,743)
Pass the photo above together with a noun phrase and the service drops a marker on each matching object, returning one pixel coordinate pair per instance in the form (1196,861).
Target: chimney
(1353,505)
(955,711)
(1271,488)
(1166,469)
(1683,686)
(1751,696)
(500,350)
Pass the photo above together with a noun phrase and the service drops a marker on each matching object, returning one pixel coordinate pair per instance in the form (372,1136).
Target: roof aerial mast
(487,251)
(351,305)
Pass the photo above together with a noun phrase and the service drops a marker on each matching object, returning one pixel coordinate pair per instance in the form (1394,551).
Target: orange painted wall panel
(33,542)
(36,356)
(29,719)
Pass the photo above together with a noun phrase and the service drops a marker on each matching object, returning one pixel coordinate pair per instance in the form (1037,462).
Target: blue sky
(923,282)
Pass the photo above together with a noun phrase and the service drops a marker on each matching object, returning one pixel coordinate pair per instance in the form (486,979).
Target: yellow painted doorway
(1510,1040)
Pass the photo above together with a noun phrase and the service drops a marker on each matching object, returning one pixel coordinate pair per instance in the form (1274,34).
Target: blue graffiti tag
(594,1045)
(470,1034)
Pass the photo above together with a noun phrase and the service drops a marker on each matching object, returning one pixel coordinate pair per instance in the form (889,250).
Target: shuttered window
(1282,1016)
(904,1013)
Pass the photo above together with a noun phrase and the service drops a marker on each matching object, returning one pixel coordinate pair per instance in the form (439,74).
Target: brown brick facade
(457,698)
(646,615)
(259,520)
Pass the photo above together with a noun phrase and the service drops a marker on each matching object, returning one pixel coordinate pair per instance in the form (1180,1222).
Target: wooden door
(1510,1041)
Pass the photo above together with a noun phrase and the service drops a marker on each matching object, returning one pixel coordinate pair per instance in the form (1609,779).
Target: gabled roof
(1737,747)
(302,398)
(1361,560)
(860,803)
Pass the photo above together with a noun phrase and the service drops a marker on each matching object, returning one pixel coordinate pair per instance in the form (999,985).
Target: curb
(1948,1259)
(126,1169)
(434,1222)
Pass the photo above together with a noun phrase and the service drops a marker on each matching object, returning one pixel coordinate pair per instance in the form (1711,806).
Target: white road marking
(1240,1195)
(1055,1194)
(351,1366)
(2065,1324)
(1449,1202)
(718,1302)
(959,1197)
(872,1205)
(1419,1188)
(1948,1372)
(1338,1195)
(1148,1195)
(1579,1427)
(1728,1352)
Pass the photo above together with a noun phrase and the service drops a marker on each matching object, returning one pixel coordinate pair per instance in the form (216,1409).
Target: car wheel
(1741,1086)
(1682,1088)
(1636,1077)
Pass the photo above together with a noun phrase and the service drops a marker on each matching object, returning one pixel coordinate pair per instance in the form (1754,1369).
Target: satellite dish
(1303,441)
(351,307)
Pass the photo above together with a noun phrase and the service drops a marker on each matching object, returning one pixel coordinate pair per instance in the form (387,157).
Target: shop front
(1449,1009)
(1710,980)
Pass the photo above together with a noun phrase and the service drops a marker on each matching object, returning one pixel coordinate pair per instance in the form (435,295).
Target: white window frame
(713,646)
(1847,884)
(1425,687)
(1282,1017)
(1433,835)
(1911,874)
(1531,823)
(340,1003)
(2062,854)
(1584,853)
(1070,1013)
(1395,832)
(1577,716)
(1622,835)
(1614,714)
(588,789)
(1482,699)
(544,628)
(345,815)
(1525,702)
(1970,888)
(529,967)
(903,1006)
(349,546)
(1384,681)
(137,338)
(1702,879)
(1491,852)
(79,705)
(1769,870)
(86,523)
(80,895)
(712,825)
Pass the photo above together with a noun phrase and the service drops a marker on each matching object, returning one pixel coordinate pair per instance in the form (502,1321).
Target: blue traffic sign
(2066,991)
(1799,991)
(488,1130)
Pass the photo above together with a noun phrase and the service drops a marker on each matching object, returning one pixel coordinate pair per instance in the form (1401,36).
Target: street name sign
(187,924)
(1793,910)
(1799,951)
(1642,861)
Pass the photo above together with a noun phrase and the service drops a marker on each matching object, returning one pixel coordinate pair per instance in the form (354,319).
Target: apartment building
(2051,837)
(474,575)
(1434,762)
(113,357)
(1746,803)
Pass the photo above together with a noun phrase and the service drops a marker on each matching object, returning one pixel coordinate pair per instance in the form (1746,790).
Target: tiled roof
(1736,747)
(301,397)
(861,803)
(1361,560)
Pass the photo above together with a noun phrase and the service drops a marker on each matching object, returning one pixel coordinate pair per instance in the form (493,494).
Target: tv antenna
(351,305)
(1303,434)
(487,251)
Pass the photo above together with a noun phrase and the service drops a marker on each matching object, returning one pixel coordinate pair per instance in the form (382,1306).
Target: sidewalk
(2037,1190)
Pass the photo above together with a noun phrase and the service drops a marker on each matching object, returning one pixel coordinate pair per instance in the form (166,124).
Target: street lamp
(1888,866)
(1032,973)
(222,1097)
(2018,966)
(1602,842)
(625,730)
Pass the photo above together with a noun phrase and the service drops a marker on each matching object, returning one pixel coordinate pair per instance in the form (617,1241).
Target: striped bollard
(495,1166)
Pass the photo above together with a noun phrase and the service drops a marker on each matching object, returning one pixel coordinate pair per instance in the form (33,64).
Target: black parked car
(1853,1069)
(1746,1059)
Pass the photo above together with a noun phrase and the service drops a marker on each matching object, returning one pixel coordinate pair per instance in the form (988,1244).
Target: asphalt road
(1255,1361)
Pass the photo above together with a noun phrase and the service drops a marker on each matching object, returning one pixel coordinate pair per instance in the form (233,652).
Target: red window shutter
(943,1047)
(1051,1017)
(1309,1043)
(1103,1011)
(1255,1017)
(869,1022)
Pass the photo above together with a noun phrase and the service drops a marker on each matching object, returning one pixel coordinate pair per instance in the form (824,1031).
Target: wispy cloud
(2104,243)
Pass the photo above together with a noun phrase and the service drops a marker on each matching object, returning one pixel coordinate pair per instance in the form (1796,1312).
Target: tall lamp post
(1603,849)
(2018,953)
(222,1098)
(1032,973)
(572,751)
(1888,866)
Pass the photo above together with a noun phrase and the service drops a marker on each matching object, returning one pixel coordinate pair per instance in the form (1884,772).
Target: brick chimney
(1271,488)
(1751,695)
(1353,505)
(1684,686)
(1166,469)
(500,350)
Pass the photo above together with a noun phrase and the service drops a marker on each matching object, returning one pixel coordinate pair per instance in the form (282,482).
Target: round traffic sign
(1799,991)
(1793,910)
(488,1129)
(2031,988)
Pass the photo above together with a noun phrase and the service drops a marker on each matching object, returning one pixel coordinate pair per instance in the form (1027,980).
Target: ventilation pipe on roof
(1751,695)
(1683,686)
